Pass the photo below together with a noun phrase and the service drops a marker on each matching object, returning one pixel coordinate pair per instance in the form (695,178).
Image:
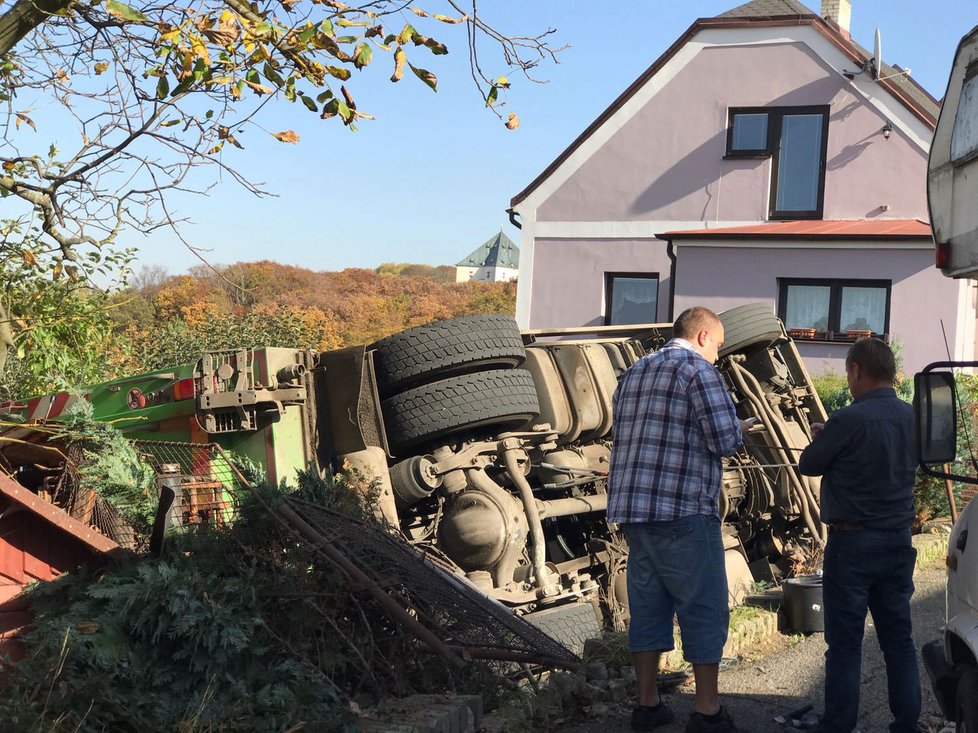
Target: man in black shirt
(864,454)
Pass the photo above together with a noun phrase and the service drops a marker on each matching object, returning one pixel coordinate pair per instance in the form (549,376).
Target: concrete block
(428,714)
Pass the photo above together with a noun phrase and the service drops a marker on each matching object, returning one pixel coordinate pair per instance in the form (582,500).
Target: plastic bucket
(803,604)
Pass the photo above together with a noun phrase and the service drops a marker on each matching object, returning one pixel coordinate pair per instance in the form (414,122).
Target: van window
(964,137)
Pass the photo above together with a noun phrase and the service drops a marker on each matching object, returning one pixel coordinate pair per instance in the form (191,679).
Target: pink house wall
(666,163)
(568,277)
(921,298)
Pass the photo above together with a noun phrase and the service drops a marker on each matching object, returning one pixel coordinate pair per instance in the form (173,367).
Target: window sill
(834,339)
(794,215)
(746,156)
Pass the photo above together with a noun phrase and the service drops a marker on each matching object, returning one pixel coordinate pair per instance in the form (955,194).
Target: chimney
(839,13)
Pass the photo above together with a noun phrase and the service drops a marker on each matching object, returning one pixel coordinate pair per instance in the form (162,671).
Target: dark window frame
(775,117)
(835,302)
(609,279)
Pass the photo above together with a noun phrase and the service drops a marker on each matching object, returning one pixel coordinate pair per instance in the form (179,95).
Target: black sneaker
(719,723)
(646,718)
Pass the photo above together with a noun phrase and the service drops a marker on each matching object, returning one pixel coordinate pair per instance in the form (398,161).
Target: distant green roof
(498,251)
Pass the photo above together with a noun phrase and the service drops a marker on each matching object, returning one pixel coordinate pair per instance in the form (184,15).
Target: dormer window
(795,140)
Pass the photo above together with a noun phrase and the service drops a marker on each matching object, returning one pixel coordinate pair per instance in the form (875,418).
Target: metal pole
(949,485)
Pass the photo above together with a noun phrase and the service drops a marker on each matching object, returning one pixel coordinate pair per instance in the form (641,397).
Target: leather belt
(846,527)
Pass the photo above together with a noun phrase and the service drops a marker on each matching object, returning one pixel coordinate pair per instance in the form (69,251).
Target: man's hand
(750,422)
(817,428)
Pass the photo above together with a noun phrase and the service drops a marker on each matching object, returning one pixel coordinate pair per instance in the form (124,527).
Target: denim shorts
(677,568)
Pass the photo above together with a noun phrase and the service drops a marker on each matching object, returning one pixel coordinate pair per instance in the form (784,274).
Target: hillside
(162,319)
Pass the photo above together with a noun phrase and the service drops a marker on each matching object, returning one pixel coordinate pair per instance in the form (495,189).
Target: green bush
(930,493)
(833,390)
(235,628)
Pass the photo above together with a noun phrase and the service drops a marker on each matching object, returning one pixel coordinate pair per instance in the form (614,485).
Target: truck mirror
(935,417)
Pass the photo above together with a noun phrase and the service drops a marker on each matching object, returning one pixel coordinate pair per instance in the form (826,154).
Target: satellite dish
(877,55)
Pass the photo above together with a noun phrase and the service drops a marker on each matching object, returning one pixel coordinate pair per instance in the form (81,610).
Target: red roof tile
(814,229)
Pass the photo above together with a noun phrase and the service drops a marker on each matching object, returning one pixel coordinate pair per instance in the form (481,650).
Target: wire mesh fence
(458,613)
(203,477)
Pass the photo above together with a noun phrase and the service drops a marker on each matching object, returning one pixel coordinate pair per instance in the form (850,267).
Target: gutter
(512,218)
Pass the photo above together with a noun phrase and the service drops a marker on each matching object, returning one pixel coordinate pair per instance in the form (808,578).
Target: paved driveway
(756,691)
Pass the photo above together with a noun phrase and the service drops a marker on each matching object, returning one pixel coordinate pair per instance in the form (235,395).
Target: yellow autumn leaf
(199,49)
(22,117)
(446,19)
(288,136)
(512,122)
(400,58)
(100,67)
(29,258)
(258,88)
(502,82)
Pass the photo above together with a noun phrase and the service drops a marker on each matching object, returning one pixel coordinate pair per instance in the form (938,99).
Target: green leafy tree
(157,89)
(53,316)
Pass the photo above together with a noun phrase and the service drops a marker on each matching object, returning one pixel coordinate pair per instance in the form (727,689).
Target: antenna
(877,62)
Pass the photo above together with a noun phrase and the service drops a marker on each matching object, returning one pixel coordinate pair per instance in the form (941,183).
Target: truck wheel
(966,717)
(503,398)
(748,325)
(447,348)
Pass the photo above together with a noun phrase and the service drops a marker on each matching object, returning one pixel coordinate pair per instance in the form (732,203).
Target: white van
(952,192)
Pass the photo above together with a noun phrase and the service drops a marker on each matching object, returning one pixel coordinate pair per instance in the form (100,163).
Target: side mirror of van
(936,419)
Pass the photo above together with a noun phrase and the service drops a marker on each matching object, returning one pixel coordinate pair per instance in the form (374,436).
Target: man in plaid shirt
(673,422)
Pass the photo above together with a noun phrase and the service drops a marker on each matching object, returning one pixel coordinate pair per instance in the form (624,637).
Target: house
(495,260)
(765,156)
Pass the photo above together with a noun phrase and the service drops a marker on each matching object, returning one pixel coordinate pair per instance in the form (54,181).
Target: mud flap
(943,676)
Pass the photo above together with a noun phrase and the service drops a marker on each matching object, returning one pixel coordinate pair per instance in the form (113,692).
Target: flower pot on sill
(856,333)
(801,333)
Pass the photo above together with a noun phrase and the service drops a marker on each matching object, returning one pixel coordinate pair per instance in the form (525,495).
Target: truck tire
(570,624)
(748,325)
(503,398)
(966,716)
(447,348)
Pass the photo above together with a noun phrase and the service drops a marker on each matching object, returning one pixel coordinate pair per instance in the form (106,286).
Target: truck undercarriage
(489,448)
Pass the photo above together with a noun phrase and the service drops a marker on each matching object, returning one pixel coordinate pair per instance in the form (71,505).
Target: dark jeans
(869,569)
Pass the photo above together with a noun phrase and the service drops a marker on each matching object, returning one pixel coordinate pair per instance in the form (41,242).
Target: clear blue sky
(431,177)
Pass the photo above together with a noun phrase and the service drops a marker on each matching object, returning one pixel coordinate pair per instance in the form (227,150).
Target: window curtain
(634,300)
(808,307)
(863,308)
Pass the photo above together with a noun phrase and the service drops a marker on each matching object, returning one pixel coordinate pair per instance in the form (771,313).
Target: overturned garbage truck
(489,448)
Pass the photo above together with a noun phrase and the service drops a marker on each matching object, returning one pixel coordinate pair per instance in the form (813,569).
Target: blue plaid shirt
(673,422)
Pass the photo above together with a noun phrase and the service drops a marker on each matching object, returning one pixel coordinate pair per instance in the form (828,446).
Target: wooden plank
(58,517)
